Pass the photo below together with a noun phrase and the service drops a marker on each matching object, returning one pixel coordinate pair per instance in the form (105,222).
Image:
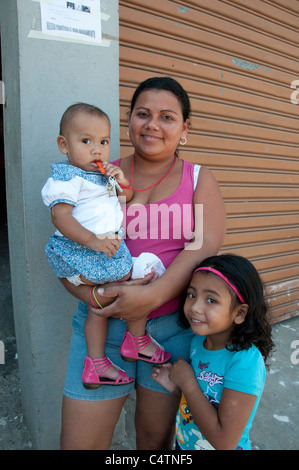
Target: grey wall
(42,77)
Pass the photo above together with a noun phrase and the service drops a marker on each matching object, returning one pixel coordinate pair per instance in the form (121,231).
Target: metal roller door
(237,60)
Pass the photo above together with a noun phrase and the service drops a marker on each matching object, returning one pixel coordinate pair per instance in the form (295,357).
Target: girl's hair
(167,84)
(256,328)
(76,108)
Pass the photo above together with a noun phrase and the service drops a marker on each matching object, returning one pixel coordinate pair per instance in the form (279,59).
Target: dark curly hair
(256,328)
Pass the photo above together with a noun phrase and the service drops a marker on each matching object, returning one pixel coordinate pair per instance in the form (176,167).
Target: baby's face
(86,141)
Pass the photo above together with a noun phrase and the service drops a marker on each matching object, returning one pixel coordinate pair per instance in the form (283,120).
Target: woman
(167,192)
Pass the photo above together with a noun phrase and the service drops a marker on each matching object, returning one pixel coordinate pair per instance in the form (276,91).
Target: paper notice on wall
(77,18)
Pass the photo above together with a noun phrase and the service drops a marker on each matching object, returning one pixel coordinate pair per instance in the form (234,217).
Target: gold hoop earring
(183,142)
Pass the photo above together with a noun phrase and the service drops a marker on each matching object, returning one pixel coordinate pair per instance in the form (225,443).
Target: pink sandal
(132,345)
(94,368)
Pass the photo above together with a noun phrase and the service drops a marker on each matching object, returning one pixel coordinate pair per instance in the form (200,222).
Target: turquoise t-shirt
(243,371)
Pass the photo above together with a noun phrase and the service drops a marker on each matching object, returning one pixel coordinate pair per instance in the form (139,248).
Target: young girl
(87,247)
(221,389)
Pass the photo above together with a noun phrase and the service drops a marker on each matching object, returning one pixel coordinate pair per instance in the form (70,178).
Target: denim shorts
(164,329)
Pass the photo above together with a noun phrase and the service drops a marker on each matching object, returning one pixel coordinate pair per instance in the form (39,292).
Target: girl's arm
(140,301)
(222,427)
(64,221)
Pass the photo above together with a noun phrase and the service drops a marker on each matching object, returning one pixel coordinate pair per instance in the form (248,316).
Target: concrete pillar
(42,77)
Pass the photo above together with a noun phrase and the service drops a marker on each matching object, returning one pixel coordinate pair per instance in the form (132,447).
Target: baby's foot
(102,371)
(142,348)
(149,350)
(111,373)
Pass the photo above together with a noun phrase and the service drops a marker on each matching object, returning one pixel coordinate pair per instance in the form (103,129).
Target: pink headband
(218,273)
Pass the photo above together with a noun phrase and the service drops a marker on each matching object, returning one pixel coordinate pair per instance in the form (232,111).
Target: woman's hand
(111,293)
(133,298)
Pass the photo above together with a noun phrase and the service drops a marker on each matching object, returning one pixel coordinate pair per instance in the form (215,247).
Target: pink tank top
(163,228)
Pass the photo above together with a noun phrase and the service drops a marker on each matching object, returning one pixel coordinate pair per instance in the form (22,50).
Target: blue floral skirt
(68,258)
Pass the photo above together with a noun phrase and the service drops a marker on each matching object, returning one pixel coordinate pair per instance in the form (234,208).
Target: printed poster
(75,18)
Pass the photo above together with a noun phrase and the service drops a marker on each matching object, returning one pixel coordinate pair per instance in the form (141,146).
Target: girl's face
(156,124)
(87,139)
(208,309)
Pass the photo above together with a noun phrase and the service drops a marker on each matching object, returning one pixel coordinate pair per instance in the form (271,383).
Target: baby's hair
(76,108)
(256,328)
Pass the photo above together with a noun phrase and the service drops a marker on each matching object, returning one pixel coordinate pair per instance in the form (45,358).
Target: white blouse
(93,208)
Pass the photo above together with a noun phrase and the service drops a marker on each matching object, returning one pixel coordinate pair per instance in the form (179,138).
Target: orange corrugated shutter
(237,60)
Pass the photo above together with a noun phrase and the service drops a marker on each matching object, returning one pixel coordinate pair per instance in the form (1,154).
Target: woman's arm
(222,427)
(208,238)
(82,292)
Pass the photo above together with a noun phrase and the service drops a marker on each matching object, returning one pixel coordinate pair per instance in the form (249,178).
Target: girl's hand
(182,373)
(161,375)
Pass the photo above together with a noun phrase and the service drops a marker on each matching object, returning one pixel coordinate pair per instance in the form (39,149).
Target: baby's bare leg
(95,330)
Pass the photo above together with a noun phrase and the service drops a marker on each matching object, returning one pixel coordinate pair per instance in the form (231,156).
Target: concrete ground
(276,425)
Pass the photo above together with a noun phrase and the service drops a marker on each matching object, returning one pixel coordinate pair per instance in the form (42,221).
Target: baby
(87,247)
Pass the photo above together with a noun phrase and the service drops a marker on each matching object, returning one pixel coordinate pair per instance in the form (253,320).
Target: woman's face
(156,124)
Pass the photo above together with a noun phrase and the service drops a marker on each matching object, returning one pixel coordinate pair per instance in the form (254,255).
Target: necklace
(149,187)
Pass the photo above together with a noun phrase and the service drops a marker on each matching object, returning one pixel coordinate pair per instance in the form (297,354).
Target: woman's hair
(76,108)
(256,328)
(167,84)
